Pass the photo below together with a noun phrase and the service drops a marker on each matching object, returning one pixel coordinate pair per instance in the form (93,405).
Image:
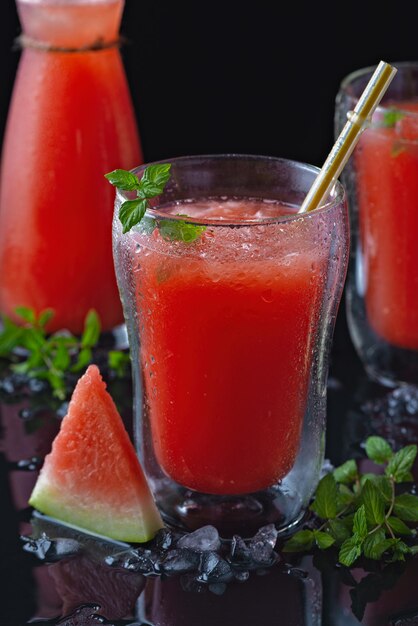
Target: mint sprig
(391,117)
(179,230)
(34,352)
(151,184)
(363,514)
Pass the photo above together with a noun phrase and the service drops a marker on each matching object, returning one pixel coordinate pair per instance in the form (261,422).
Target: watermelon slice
(92,478)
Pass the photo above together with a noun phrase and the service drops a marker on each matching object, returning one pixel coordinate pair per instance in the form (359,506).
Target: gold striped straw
(349,136)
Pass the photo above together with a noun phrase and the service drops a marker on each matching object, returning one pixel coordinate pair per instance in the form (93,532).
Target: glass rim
(363,72)
(335,197)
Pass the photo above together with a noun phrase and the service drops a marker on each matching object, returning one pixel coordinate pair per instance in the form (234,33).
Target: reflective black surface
(83,583)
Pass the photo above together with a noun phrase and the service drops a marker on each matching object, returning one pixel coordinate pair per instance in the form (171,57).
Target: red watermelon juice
(386,162)
(70,121)
(227,337)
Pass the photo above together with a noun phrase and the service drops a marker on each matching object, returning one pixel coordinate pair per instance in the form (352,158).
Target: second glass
(382,187)
(230,312)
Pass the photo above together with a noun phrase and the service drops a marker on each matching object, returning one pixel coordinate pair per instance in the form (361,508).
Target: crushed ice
(201,558)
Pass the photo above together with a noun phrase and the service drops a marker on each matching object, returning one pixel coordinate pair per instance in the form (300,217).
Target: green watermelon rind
(42,518)
(46,500)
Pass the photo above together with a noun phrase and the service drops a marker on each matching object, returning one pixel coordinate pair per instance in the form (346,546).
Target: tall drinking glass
(382,186)
(230,312)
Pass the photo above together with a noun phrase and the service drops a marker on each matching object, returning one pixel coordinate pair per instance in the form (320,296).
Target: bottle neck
(70,24)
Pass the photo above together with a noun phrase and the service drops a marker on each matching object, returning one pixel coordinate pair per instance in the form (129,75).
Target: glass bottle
(70,121)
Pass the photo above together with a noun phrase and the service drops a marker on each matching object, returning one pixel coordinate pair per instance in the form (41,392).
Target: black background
(258,78)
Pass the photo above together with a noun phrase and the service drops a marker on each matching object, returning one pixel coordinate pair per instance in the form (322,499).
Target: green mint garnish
(391,117)
(152,184)
(389,120)
(52,357)
(362,514)
(179,230)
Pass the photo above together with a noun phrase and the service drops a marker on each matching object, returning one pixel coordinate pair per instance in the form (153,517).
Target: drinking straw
(357,120)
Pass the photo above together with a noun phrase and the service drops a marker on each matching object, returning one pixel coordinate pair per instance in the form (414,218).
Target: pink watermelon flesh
(92,478)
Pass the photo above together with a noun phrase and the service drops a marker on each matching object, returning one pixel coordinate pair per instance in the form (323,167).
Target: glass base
(243,515)
(389,365)
(384,363)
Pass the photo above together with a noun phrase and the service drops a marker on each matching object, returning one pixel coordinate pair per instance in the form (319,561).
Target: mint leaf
(400,465)
(378,450)
(45,317)
(61,358)
(323,540)
(399,550)
(119,362)
(91,331)
(26,314)
(56,380)
(339,531)
(33,339)
(349,551)
(154,179)
(398,526)
(10,337)
(131,213)
(382,484)
(346,473)
(363,515)
(391,117)
(152,183)
(123,180)
(345,496)
(325,503)
(179,230)
(360,523)
(372,544)
(300,542)
(83,359)
(406,507)
(48,357)
(374,504)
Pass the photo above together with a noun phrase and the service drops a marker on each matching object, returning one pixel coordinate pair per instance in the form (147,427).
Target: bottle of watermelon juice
(382,182)
(71,120)
(229,314)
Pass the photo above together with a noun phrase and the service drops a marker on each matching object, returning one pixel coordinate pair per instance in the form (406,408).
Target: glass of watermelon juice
(230,312)
(382,188)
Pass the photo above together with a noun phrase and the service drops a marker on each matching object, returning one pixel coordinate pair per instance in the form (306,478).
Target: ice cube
(141,561)
(202,540)
(180,561)
(189,583)
(240,554)
(50,550)
(241,575)
(214,569)
(267,535)
(262,544)
(164,539)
